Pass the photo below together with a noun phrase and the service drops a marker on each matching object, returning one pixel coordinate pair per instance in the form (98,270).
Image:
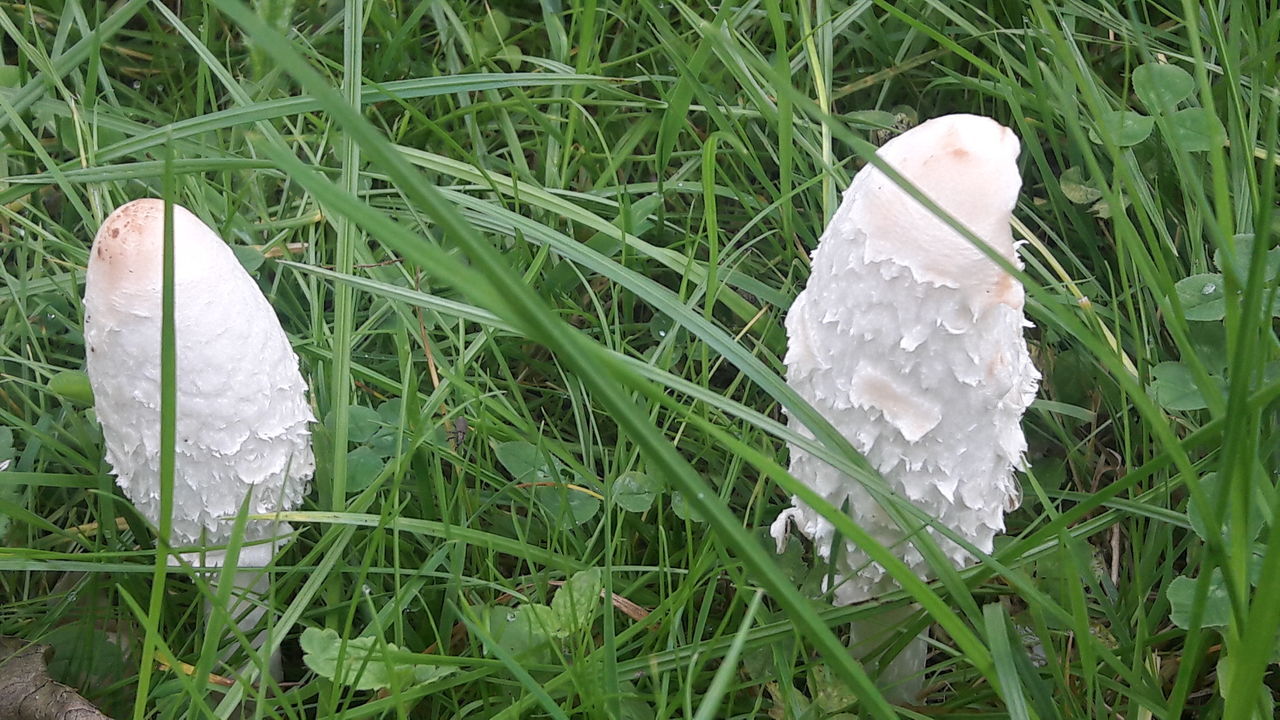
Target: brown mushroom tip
(128,249)
(129,231)
(964,162)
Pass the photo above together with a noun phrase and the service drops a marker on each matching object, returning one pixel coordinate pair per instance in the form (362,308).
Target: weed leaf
(575,603)
(1161,87)
(1123,127)
(1196,130)
(363,663)
(635,491)
(1217,606)
(1173,387)
(1202,297)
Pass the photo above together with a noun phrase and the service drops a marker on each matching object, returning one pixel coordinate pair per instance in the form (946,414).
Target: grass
(535,260)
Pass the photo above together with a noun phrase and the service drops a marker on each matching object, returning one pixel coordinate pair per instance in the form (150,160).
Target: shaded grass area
(535,260)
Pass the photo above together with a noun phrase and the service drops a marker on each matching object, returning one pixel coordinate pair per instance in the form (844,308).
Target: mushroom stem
(250,587)
(250,579)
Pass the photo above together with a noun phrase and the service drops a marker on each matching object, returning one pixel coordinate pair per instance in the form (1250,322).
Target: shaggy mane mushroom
(242,412)
(909,340)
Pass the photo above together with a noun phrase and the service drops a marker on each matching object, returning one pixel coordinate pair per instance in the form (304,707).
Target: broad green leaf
(683,510)
(250,258)
(1209,343)
(1050,473)
(525,462)
(496,25)
(829,692)
(389,412)
(635,491)
(72,385)
(363,467)
(1212,485)
(1173,387)
(492,32)
(1102,208)
(1075,375)
(1074,187)
(879,119)
(660,326)
(542,620)
(567,503)
(1242,245)
(1196,130)
(633,704)
(1202,297)
(1223,671)
(364,663)
(362,423)
(512,55)
(1161,87)
(1122,127)
(1217,605)
(531,467)
(795,563)
(523,629)
(576,602)
(84,653)
(384,444)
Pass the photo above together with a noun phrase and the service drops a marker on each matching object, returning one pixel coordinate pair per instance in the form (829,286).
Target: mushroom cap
(967,164)
(910,342)
(242,412)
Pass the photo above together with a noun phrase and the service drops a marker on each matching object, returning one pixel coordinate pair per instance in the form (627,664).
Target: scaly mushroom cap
(908,339)
(242,412)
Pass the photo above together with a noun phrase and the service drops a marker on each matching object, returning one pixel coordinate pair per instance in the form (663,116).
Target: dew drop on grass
(1208,289)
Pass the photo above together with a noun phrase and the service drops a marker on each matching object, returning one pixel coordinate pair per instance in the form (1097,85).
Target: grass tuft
(535,259)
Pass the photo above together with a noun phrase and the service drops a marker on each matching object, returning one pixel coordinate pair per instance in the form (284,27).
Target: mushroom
(909,340)
(242,412)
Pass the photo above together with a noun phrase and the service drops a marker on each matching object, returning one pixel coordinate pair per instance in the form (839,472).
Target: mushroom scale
(242,412)
(909,340)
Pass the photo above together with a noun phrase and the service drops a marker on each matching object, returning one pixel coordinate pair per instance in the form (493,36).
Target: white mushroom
(909,340)
(242,412)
